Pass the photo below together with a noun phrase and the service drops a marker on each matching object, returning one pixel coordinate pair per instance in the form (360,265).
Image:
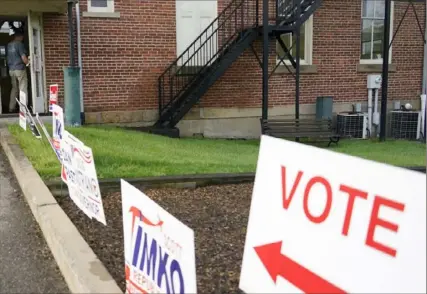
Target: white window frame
(109,8)
(376,61)
(308,50)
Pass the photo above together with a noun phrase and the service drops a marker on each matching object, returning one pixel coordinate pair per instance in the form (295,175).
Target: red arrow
(278,264)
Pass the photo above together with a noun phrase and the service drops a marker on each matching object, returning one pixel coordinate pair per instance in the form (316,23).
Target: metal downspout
(80,63)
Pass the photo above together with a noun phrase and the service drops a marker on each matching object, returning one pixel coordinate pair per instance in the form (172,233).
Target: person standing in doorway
(17,61)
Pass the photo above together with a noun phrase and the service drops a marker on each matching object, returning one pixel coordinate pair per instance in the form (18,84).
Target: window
(100,5)
(372,35)
(5,27)
(306,47)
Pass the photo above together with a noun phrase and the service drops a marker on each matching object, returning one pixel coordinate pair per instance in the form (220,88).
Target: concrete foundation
(221,122)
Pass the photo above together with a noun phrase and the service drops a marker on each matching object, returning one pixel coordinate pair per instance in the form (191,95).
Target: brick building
(127,44)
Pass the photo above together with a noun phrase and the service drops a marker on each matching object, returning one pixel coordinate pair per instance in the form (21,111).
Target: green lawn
(129,154)
(395,152)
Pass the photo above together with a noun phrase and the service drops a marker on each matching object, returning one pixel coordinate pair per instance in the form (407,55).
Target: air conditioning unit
(405,124)
(353,125)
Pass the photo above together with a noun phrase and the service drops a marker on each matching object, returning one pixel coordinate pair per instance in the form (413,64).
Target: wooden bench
(300,128)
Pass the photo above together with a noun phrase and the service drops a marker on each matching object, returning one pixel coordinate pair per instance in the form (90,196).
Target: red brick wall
(407,53)
(56,49)
(122,58)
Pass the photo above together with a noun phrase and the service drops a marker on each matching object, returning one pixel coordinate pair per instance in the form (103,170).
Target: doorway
(192,18)
(5,80)
(33,42)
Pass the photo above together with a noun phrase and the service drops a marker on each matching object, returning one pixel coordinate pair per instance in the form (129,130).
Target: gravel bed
(217,214)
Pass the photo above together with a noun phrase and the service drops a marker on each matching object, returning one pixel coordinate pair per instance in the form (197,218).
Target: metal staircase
(289,11)
(189,77)
(290,15)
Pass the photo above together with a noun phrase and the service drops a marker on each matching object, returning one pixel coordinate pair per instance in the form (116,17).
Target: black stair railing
(210,45)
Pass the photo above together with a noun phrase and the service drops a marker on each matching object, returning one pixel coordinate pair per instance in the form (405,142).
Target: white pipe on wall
(376,114)
(79,56)
(423,112)
(370,111)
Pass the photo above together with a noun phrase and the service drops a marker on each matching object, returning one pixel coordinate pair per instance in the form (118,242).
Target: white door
(192,18)
(37,63)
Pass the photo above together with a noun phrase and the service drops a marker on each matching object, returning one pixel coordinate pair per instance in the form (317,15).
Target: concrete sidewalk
(14,119)
(26,263)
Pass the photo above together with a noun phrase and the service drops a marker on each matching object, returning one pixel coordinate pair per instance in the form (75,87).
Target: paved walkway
(26,264)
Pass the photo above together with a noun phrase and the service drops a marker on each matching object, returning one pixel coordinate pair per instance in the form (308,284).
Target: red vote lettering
(287,200)
(376,221)
(352,194)
(321,218)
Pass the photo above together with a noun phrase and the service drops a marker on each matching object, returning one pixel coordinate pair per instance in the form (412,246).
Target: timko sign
(159,249)
(323,222)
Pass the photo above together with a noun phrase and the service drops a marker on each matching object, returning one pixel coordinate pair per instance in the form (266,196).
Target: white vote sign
(324,222)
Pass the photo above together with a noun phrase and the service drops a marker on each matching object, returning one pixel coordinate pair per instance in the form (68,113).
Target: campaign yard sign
(324,222)
(159,249)
(79,173)
(25,116)
(53,96)
(48,137)
(22,113)
(57,128)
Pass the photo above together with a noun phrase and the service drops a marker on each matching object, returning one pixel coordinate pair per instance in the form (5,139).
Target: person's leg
(23,83)
(14,91)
